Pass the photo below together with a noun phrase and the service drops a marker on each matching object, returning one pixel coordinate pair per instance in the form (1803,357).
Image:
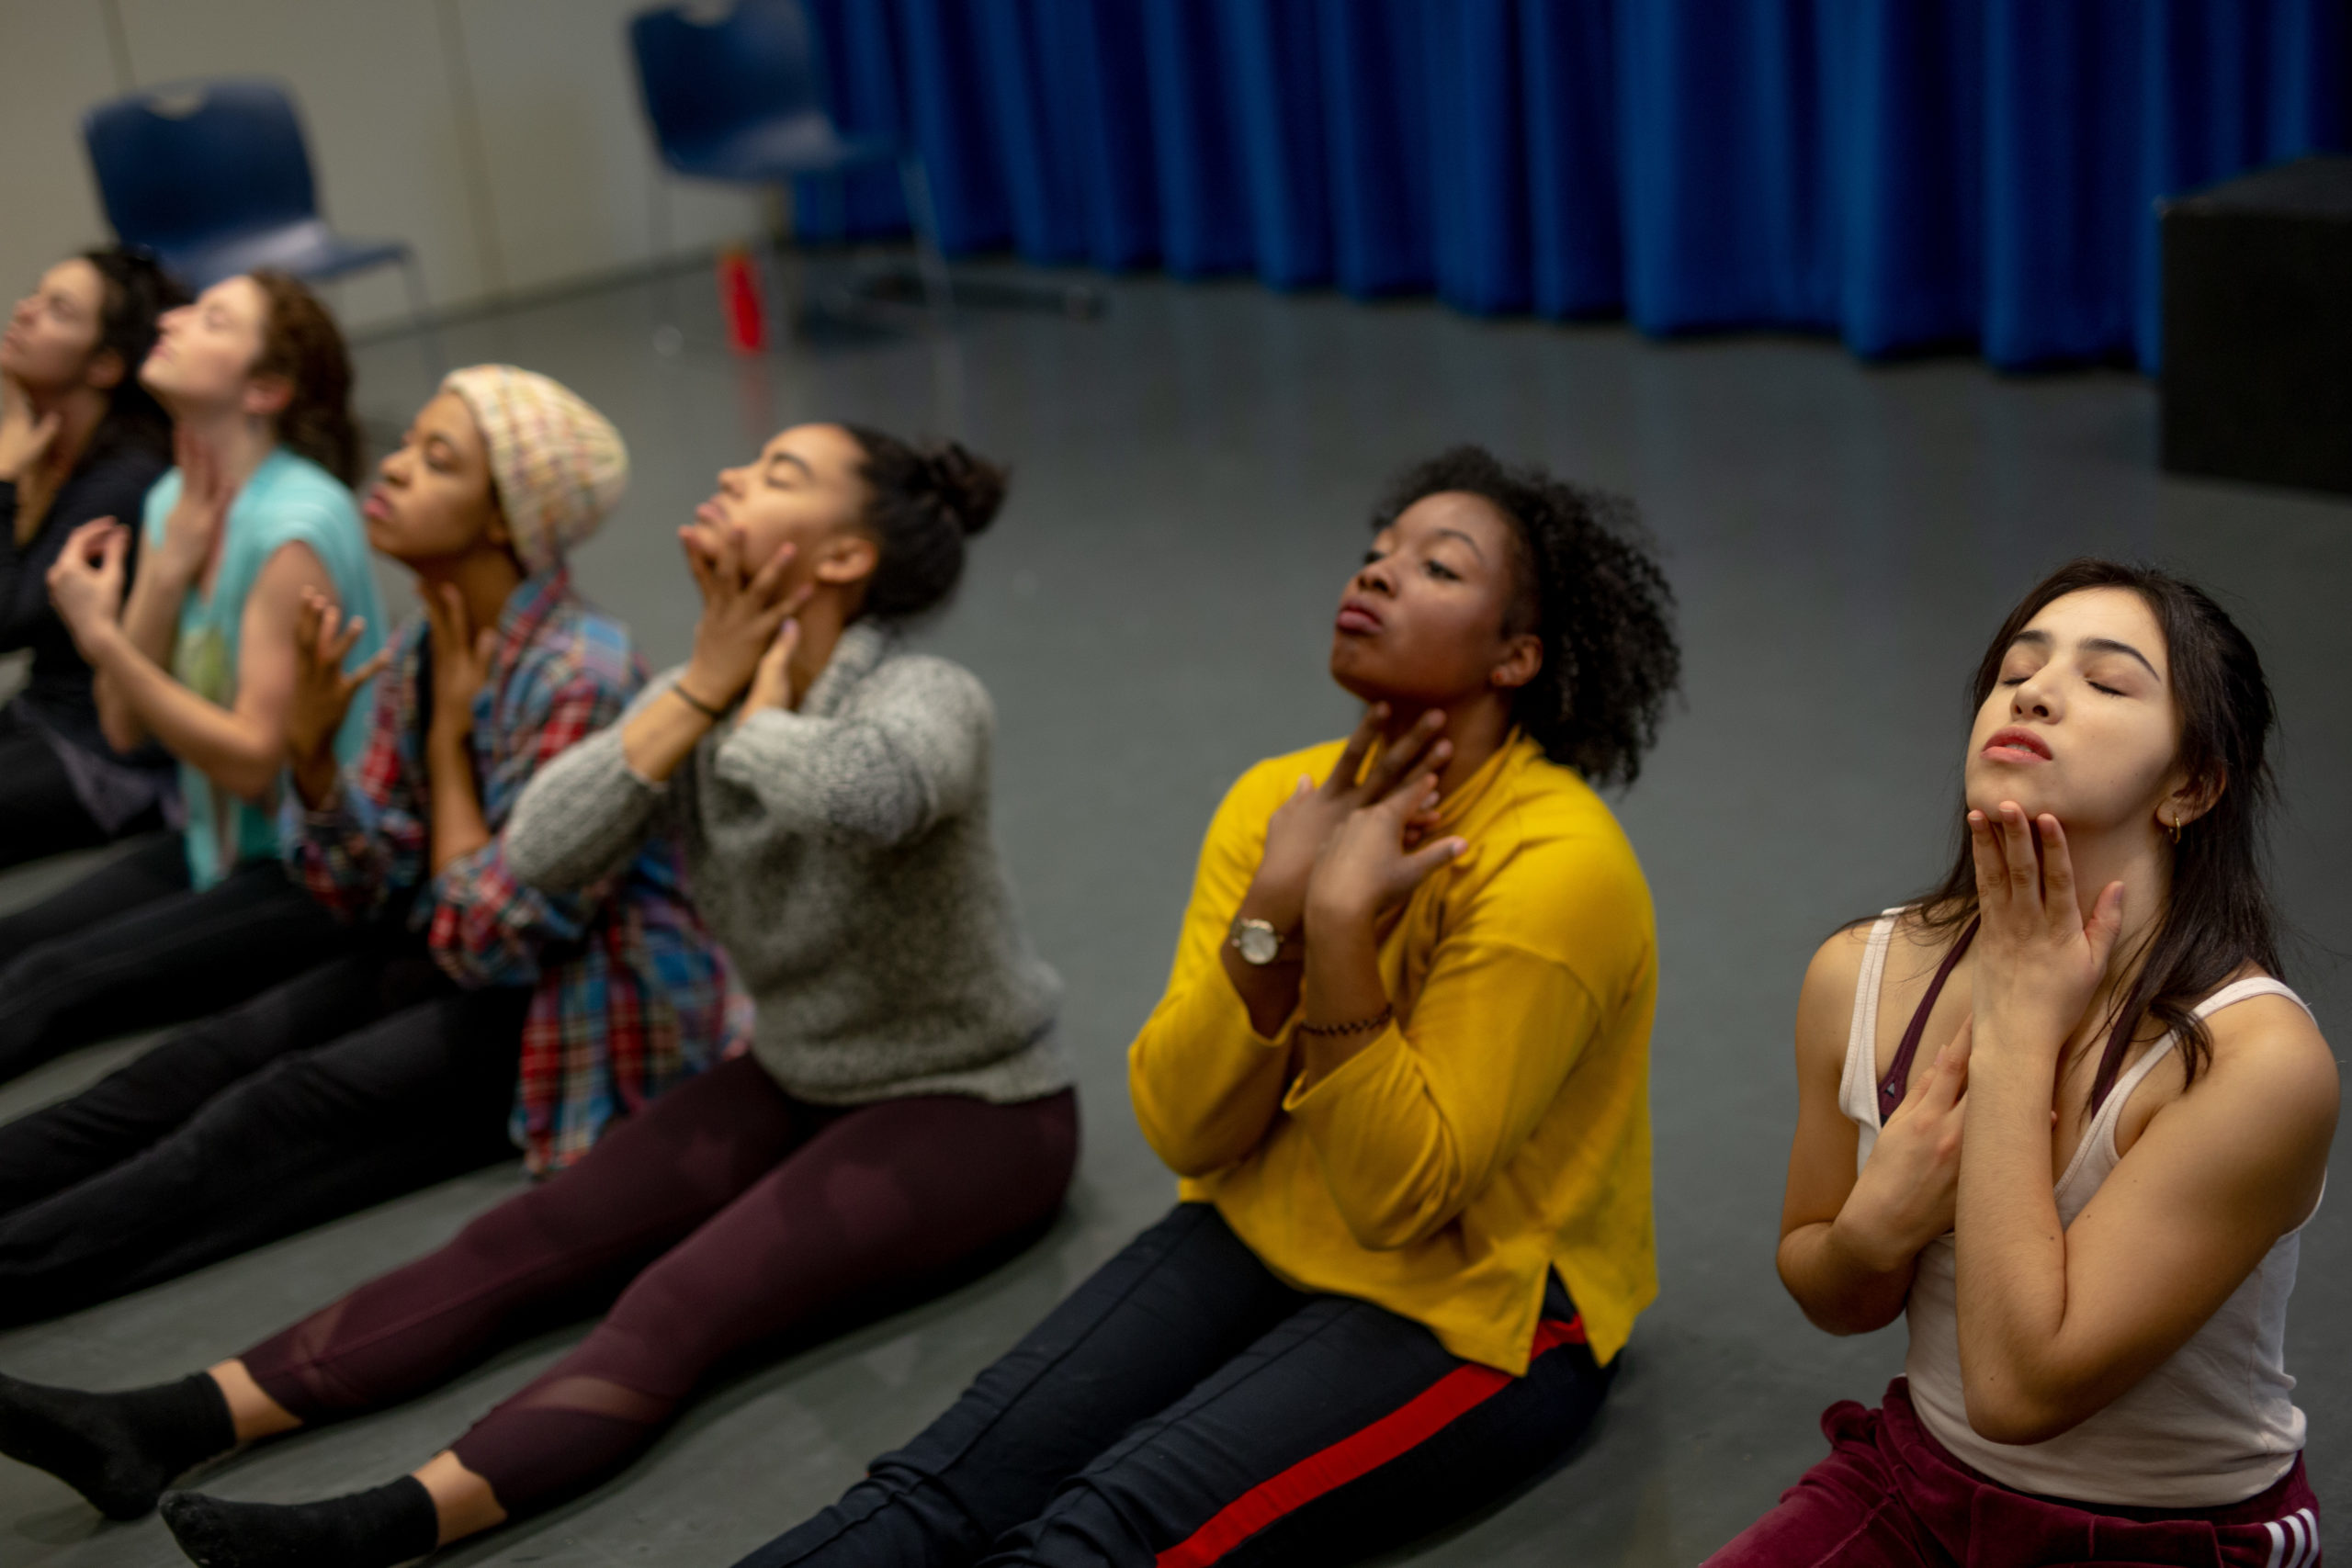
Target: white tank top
(2215,1424)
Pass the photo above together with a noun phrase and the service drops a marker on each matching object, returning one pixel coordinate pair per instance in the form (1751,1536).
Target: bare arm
(150,626)
(461,661)
(150,616)
(1850,1245)
(2056,1322)
(241,747)
(661,734)
(167,571)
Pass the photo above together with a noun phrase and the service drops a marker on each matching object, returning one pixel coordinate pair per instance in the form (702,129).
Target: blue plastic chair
(214,177)
(740,98)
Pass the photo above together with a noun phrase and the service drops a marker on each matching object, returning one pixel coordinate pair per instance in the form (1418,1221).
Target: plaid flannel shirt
(631,992)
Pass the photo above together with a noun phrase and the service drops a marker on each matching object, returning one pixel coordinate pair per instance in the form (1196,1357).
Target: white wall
(500,137)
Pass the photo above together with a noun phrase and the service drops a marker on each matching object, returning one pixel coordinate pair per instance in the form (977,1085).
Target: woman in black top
(79,439)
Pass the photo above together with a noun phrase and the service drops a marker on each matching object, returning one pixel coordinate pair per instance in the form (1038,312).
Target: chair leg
(930,260)
(657,217)
(668,339)
(783,266)
(420,315)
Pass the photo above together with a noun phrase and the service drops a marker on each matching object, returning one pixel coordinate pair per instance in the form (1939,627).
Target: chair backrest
(181,164)
(705,79)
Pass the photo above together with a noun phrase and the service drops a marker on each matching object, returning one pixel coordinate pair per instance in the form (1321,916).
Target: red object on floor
(738,301)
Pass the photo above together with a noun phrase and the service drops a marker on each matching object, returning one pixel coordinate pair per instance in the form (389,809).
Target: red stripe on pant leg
(1360,1453)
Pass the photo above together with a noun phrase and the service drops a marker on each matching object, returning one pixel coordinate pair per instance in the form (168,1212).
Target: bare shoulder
(2268,1052)
(1837,964)
(2246,1143)
(1825,1006)
(292,567)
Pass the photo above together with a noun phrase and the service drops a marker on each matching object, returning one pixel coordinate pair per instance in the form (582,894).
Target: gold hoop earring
(2175,832)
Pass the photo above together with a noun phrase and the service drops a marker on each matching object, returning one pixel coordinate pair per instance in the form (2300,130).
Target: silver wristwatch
(1257,940)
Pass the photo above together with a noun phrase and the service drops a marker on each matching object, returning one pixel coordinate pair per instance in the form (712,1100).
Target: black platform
(2257,353)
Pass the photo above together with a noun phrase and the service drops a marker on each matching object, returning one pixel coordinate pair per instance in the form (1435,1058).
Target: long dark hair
(927,501)
(1591,590)
(137,292)
(301,342)
(2217,917)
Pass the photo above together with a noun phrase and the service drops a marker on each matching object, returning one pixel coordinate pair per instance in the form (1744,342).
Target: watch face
(1259,943)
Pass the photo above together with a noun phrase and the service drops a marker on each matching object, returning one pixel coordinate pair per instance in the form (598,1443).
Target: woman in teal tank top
(199,654)
(288,500)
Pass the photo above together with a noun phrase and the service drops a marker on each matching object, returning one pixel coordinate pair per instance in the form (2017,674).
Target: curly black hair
(928,499)
(137,292)
(1590,586)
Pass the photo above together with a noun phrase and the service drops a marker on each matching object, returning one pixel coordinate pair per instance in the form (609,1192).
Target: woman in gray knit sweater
(903,1111)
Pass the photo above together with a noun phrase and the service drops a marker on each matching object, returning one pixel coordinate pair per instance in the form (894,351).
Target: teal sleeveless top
(289,499)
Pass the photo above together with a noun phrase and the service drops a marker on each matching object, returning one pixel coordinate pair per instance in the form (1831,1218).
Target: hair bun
(968,486)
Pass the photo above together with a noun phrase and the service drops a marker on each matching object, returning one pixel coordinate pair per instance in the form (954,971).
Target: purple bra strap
(1898,1073)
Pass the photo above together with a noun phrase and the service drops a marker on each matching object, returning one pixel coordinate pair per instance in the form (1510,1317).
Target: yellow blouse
(1498,1128)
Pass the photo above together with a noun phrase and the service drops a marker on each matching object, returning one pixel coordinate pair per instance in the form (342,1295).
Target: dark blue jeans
(1185,1407)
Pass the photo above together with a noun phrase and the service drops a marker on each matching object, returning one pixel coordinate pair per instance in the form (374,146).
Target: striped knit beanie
(559,464)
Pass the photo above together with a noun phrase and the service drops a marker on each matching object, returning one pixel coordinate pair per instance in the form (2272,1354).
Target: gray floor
(1151,616)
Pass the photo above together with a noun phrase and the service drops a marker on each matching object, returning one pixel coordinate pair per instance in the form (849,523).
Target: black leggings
(723,1214)
(130,947)
(369,1076)
(1185,1407)
(41,814)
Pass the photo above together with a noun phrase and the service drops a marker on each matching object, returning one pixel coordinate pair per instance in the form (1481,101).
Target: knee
(513,1230)
(35,964)
(287,1093)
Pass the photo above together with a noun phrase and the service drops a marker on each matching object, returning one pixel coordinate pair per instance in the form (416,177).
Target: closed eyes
(2093,685)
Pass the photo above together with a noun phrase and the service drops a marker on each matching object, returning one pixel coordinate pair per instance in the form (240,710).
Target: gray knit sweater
(843,854)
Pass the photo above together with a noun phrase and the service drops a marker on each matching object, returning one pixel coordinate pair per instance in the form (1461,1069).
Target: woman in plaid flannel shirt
(904,1114)
(474,1013)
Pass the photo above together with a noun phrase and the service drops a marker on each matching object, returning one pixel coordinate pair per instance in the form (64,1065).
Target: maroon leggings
(722,1215)
(1889,1495)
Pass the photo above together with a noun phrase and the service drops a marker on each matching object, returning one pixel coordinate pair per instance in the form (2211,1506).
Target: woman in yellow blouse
(1402,1067)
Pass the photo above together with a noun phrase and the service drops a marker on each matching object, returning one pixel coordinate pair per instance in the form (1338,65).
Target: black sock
(119,1450)
(367,1529)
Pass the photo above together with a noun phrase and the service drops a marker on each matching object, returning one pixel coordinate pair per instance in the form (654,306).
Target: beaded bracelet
(1376,1020)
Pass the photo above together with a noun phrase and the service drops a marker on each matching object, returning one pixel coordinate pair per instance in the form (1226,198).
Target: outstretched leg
(1343,1432)
(1178,1302)
(651,1179)
(62,1145)
(888,1195)
(884,1195)
(154,957)
(403,1101)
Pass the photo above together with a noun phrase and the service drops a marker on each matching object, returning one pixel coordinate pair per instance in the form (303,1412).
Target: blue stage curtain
(1103,53)
(1477,141)
(1906,174)
(1197,150)
(1378,150)
(1567,54)
(1909,143)
(1277,103)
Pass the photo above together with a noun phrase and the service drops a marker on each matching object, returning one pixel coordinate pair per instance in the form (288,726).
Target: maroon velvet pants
(724,1213)
(1889,1495)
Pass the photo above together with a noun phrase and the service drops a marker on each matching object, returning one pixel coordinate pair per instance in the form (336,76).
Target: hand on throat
(1476,724)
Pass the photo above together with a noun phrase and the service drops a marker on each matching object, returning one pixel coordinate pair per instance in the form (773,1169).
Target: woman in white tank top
(2061,1115)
